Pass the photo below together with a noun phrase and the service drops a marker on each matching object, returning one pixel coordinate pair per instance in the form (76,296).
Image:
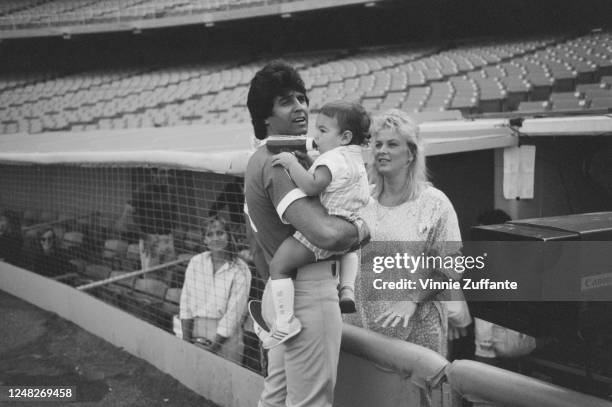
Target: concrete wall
(362,380)
(215,378)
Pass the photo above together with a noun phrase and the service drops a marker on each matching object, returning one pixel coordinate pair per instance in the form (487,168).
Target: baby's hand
(285,159)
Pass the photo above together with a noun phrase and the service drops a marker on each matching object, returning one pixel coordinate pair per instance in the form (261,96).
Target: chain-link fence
(169,246)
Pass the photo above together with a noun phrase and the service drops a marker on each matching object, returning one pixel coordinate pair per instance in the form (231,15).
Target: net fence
(167,245)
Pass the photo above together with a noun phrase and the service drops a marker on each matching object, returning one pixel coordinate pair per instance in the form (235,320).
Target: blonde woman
(407,212)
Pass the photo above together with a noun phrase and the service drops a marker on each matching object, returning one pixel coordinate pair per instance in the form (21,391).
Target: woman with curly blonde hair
(406,214)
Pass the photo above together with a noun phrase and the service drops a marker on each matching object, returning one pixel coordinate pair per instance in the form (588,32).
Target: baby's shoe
(347,300)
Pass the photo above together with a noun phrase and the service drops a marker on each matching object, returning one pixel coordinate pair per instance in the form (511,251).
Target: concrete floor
(40,348)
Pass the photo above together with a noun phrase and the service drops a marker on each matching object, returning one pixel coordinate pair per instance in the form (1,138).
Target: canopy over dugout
(219,149)
(222,149)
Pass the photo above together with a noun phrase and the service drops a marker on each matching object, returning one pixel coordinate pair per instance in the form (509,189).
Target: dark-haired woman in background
(51,260)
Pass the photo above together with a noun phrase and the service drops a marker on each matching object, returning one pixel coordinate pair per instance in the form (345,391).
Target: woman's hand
(204,342)
(211,345)
(285,159)
(455,332)
(398,311)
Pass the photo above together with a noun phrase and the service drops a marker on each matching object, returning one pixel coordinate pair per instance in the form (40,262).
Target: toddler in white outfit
(339,177)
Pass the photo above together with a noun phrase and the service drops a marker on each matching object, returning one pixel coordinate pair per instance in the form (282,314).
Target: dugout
(79,182)
(41,173)
(563,167)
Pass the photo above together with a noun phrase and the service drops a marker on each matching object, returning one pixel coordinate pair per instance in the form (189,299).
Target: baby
(338,175)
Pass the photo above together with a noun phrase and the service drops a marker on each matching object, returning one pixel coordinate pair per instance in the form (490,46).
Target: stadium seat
(193,241)
(149,289)
(114,252)
(169,308)
(465,105)
(114,248)
(72,240)
(538,106)
(65,217)
(120,289)
(607,81)
(541,86)
(588,87)
(133,252)
(597,93)
(30,217)
(48,216)
(171,302)
(436,115)
(564,95)
(97,271)
(125,283)
(79,265)
(568,105)
(601,103)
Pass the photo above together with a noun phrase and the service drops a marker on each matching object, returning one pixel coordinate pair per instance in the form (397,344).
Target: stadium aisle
(39,347)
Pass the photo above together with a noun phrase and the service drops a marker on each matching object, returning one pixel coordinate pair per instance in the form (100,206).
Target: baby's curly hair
(350,116)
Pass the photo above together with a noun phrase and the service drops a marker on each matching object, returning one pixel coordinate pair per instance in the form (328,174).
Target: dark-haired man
(302,371)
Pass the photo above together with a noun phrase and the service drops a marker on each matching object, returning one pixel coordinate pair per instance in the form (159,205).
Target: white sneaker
(277,336)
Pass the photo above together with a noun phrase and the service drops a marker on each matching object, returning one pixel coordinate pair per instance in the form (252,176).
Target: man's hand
(304,158)
(284,159)
(456,332)
(330,232)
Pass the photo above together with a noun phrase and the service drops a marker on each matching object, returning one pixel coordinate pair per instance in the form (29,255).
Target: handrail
(423,366)
(131,274)
(505,388)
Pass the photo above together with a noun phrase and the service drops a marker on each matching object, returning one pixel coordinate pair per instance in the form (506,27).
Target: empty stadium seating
(44,13)
(475,79)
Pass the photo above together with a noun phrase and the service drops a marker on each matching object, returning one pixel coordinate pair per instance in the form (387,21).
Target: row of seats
(146,296)
(74,232)
(593,96)
(41,13)
(147,289)
(473,78)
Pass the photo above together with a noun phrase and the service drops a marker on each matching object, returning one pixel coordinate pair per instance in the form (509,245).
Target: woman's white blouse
(222,295)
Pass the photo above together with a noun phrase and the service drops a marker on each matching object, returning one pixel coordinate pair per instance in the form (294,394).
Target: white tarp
(222,149)
(568,126)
